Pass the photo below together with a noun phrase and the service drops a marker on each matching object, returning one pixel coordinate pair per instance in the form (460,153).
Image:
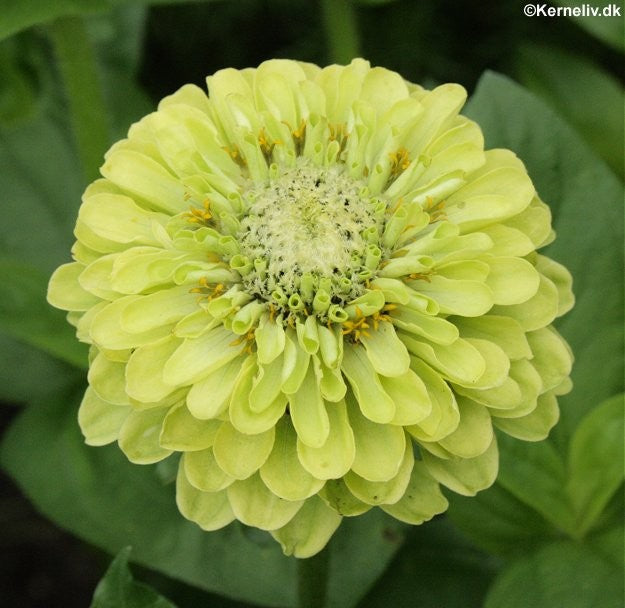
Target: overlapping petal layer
(318,287)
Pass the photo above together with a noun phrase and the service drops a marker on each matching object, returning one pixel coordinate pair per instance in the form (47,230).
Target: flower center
(309,231)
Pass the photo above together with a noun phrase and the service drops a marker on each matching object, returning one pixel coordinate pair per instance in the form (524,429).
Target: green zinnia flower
(318,287)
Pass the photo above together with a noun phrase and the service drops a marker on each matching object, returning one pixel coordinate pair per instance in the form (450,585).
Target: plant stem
(312,580)
(79,72)
(341,26)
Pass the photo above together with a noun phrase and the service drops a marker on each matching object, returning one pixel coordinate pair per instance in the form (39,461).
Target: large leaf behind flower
(566,484)
(98,495)
(586,200)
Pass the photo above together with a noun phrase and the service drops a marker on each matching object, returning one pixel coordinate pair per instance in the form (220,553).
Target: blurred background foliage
(74,74)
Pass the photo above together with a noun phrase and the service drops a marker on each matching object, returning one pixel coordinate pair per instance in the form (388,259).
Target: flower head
(318,287)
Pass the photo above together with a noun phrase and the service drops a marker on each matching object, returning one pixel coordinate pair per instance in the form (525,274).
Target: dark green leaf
(41,187)
(563,574)
(498,522)
(597,113)
(98,495)
(607,27)
(27,373)
(19,15)
(596,461)
(586,200)
(536,474)
(118,589)
(25,314)
(435,568)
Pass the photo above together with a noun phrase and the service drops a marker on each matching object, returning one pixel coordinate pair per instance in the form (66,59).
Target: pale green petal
(536,425)
(65,292)
(118,218)
(508,395)
(440,106)
(283,473)
(561,278)
(394,290)
(422,500)
(157,309)
(330,346)
(308,410)
(99,420)
(497,191)
(241,416)
(295,365)
(539,311)
(374,403)
(144,371)
(385,350)
(383,492)
(408,392)
(146,179)
(460,362)
(335,457)
(308,335)
(503,331)
(458,297)
(534,221)
(195,358)
(309,531)
(465,476)
(336,495)
(195,324)
(203,472)
(96,277)
(508,241)
(106,330)
(332,383)
(512,280)
(552,358)
(184,433)
(240,455)
(255,505)
(210,397)
(270,340)
(139,436)
(474,433)
(379,447)
(382,88)
(209,510)
(107,379)
(435,329)
(266,385)
(529,382)
(445,416)
(497,364)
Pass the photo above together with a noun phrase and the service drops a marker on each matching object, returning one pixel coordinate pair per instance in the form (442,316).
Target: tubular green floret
(317,287)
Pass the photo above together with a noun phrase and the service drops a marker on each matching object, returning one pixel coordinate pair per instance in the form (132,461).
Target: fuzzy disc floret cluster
(317,289)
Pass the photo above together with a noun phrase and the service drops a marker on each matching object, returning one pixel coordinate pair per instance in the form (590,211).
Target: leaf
(597,113)
(419,575)
(41,190)
(586,200)
(536,474)
(596,461)
(17,16)
(118,589)
(99,496)
(27,373)
(498,522)
(25,314)
(561,574)
(608,28)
